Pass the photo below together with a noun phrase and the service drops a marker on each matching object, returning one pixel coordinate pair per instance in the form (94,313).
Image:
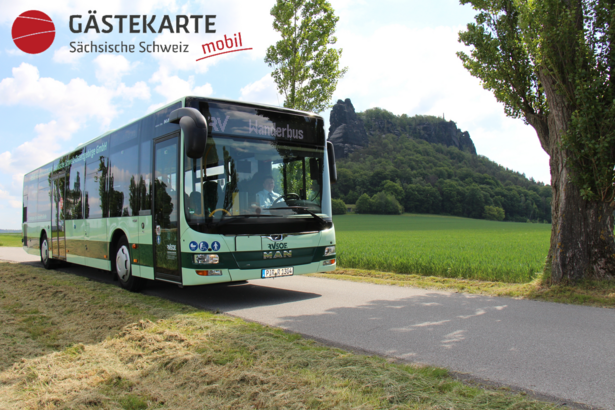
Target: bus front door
(58,228)
(166,210)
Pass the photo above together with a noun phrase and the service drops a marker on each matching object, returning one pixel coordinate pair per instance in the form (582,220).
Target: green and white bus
(184,195)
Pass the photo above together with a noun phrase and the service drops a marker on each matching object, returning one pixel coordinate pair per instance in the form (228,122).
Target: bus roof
(223,100)
(182,99)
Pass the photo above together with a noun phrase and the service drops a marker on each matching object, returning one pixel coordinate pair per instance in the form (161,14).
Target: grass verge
(588,293)
(67,342)
(10,239)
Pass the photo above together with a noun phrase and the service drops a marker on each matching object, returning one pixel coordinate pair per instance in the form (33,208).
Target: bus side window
(30,192)
(145,164)
(124,172)
(96,204)
(74,189)
(44,195)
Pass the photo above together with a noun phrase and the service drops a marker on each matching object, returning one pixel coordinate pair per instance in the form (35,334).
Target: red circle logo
(33,32)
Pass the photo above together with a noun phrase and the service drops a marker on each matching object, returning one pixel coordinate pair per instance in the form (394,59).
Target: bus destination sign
(261,123)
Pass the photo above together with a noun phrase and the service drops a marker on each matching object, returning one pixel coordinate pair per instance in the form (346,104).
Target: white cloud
(40,150)
(264,91)
(110,68)
(172,87)
(140,91)
(416,71)
(154,107)
(76,99)
(61,10)
(251,19)
(5,196)
(71,104)
(64,56)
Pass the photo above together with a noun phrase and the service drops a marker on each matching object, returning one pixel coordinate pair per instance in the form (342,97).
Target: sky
(400,56)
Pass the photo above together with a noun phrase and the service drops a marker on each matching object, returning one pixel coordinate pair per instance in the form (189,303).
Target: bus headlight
(329,250)
(206,259)
(328,262)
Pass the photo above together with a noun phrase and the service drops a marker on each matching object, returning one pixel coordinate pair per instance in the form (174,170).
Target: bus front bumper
(191,278)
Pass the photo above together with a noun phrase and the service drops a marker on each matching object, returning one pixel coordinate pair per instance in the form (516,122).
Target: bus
(201,191)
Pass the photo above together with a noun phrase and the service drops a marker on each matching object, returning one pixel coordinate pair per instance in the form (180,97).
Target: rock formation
(349,131)
(346,129)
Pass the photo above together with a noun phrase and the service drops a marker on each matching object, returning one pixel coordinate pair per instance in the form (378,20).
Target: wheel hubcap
(122,263)
(45,251)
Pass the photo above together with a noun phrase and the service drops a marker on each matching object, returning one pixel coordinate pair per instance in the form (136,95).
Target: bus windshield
(243,182)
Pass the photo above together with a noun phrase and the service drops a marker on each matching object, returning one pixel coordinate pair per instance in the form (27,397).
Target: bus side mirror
(194,126)
(332,167)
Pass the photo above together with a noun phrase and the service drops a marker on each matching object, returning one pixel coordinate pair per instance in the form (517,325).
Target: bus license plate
(276,273)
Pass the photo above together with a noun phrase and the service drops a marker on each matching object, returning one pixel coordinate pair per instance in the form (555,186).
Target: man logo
(277,255)
(33,32)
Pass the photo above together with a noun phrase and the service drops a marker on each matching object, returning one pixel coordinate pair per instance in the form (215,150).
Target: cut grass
(588,293)
(92,345)
(10,239)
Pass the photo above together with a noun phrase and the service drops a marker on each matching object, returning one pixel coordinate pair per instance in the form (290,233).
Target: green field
(10,239)
(442,246)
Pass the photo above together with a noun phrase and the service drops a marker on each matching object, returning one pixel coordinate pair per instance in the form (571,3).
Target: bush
(493,213)
(381,203)
(364,205)
(338,207)
(387,204)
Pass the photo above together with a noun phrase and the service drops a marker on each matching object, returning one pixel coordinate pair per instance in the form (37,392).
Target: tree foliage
(493,213)
(306,67)
(436,179)
(550,62)
(338,207)
(522,46)
(381,203)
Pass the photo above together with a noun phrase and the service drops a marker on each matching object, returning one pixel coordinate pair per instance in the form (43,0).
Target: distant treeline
(432,178)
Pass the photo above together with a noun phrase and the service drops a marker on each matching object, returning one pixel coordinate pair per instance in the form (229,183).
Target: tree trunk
(582,242)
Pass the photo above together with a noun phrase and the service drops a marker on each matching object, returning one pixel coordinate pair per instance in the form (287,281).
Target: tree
(306,68)
(383,203)
(363,205)
(550,63)
(493,213)
(338,207)
(474,204)
(393,189)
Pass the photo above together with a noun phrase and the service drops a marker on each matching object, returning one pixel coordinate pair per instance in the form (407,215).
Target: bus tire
(123,267)
(47,262)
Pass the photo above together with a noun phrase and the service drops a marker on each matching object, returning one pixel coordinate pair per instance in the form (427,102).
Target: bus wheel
(45,259)
(123,268)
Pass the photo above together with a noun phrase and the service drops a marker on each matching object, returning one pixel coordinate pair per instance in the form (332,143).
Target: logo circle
(193,246)
(33,32)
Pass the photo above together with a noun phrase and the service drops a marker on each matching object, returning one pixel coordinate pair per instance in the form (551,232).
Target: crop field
(442,246)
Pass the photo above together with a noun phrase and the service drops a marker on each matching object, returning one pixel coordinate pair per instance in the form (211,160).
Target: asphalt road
(564,352)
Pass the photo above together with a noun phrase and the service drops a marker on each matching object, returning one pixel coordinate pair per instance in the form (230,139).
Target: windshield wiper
(303,208)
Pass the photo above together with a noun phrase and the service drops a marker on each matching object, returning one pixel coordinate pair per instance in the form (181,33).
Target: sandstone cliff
(349,131)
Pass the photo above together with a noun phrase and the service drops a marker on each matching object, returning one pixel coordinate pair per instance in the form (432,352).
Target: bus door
(166,209)
(58,227)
